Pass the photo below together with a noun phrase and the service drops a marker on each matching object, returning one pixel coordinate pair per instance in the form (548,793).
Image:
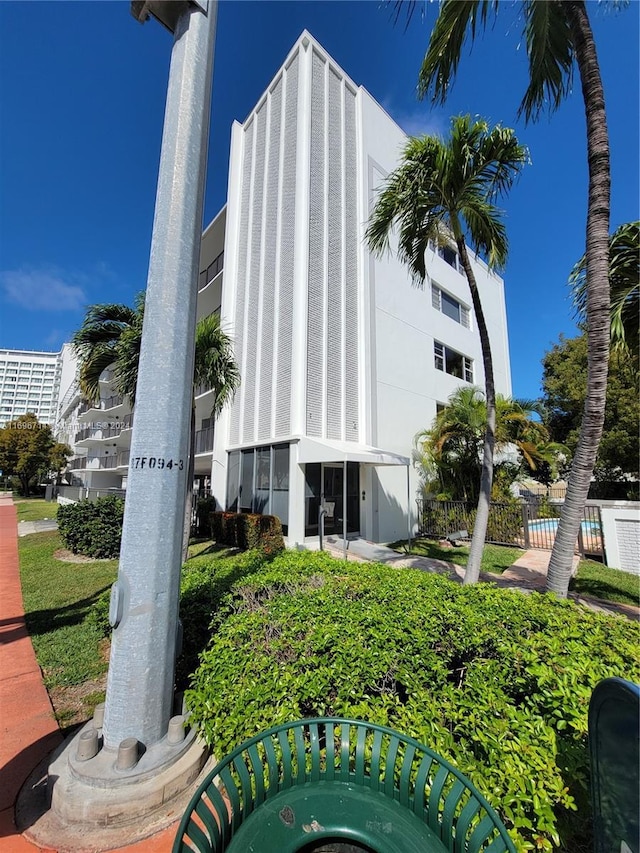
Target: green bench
(338,785)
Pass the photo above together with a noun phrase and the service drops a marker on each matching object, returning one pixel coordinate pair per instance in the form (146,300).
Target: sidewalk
(28,728)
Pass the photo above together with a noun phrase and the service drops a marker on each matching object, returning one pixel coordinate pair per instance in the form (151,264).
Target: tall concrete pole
(145,599)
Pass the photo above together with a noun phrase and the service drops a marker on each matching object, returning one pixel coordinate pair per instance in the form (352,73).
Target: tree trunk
(24,482)
(598,319)
(472,572)
(188,501)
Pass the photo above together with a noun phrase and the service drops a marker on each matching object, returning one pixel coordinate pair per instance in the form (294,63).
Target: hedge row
(247,530)
(496,681)
(92,528)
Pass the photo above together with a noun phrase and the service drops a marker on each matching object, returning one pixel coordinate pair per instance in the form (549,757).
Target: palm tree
(450,188)
(215,369)
(624,281)
(556,33)
(452,448)
(110,335)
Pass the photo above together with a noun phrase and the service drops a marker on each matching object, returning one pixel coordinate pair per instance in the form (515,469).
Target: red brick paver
(28,728)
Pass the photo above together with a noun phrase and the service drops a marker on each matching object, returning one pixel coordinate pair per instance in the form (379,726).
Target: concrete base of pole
(89,803)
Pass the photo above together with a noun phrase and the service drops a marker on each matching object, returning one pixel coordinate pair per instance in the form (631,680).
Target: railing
(204,440)
(82,493)
(84,433)
(71,392)
(79,463)
(127,421)
(102,462)
(123,458)
(85,406)
(112,402)
(201,389)
(510,524)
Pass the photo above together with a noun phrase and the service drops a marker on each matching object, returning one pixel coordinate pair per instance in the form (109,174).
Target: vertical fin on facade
(317,253)
(284,346)
(241,291)
(269,262)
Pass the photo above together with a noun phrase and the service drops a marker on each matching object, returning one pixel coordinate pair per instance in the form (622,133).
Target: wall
(621,531)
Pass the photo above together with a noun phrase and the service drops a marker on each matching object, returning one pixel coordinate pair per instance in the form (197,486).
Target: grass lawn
(495,558)
(600,581)
(58,598)
(35,509)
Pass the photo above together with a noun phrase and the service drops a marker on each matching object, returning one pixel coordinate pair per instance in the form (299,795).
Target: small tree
(28,449)
(447,190)
(450,452)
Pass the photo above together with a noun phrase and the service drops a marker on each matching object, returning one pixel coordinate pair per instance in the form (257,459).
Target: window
(448,254)
(450,306)
(258,481)
(452,362)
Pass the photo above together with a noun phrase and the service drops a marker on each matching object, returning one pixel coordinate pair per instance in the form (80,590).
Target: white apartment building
(30,382)
(343,358)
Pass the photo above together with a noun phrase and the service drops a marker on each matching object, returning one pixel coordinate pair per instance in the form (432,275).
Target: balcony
(102,462)
(112,402)
(199,390)
(77,464)
(204,441)
(123,459)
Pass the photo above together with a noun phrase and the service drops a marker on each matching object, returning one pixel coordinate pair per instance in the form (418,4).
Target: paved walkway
(28,728)
(529,572)
(25,528)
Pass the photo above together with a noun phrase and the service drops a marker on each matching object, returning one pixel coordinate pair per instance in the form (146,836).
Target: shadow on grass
(45,621)
(602,590)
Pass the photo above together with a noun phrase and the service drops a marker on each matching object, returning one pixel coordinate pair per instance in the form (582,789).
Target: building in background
(30,381)
(343,358)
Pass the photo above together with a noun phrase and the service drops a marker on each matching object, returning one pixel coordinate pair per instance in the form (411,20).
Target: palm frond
(456,19)
(215,366)
(550,51)
(624,281)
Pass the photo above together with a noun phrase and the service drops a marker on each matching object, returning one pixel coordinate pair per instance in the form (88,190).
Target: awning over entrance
(323,450)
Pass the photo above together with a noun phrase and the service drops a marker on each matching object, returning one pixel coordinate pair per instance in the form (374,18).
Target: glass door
(325,482)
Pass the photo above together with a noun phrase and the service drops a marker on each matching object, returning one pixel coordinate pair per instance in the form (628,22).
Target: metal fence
(521,524)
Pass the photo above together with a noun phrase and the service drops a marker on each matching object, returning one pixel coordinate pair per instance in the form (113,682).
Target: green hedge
(495,680)
(92,528)
(247,530)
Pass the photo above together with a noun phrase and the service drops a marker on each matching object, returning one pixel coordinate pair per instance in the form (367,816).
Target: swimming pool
(550,525)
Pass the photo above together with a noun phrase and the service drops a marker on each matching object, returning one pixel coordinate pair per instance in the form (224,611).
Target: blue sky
(82,88)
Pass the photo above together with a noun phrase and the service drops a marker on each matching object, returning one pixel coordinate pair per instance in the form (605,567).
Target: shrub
(92,528)
(496,681)
(205,580)
(246,530)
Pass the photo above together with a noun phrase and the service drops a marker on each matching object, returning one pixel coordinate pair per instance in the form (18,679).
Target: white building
(343,359)
(30,382)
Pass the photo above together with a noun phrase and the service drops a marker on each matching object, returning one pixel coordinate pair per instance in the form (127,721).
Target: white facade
(30,382)
(343,359)
(337,350)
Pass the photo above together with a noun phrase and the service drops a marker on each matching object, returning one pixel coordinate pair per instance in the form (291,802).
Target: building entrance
(325,482)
